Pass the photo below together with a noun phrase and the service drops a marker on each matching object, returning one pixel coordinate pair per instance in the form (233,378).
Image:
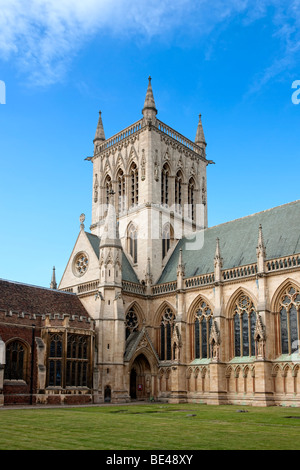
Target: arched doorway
(140,379)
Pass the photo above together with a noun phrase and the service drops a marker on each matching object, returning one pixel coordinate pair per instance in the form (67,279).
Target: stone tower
(158,177)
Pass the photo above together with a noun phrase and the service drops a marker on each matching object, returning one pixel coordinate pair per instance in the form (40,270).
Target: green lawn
(151,427)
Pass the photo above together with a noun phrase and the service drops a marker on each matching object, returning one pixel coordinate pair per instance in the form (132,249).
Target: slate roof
(128,273)
(36,300)
(238,242)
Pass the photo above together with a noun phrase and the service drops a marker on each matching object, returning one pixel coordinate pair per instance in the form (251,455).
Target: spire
(100,130)
(149,111)
(200,139)
(110,235)
(53,284)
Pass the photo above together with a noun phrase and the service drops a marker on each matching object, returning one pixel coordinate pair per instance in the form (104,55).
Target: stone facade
(179,311)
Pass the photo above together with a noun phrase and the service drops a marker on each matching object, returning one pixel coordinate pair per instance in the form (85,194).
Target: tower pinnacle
(100,130)
(149,111)
(200,139)
(53,284)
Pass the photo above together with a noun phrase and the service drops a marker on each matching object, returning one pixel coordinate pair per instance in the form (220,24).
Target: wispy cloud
(42,36)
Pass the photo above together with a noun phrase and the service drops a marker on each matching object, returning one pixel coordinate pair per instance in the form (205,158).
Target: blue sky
(62,61)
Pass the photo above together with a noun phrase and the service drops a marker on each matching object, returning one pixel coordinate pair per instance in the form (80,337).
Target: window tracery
(289,308)
(166,330)
(131,322)
(191,198)
(132,242)
(203,318)
(178,191)
(244,319)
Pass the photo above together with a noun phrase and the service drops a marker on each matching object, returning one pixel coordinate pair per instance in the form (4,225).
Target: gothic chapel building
(153,303)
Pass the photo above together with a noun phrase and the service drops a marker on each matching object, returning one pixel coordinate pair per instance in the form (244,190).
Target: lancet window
(121,190)
(191,199)
(178,191)
(77,361)
(165,174)
(167,237)
(132,242)
(108,188)
(55,360)
(134,178)
(244,321)
(166,330)
(202,326)
(289,320)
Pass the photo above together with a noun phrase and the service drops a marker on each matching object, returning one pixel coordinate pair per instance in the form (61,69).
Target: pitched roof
(128,273)
(36,300)
(238,242)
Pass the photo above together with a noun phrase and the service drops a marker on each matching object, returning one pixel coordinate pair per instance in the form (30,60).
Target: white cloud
(42,36)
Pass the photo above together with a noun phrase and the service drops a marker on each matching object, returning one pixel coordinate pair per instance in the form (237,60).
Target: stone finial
(53,284)
(100,130)
(82,219)
(149,110)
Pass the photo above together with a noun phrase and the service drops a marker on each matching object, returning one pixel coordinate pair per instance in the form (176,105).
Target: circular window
(81,264)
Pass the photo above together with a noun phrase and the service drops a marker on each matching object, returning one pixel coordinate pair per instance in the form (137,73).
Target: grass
(151,427)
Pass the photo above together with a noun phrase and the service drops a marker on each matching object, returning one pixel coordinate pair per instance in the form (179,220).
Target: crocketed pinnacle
(200,139)
(149,105)
(100,130)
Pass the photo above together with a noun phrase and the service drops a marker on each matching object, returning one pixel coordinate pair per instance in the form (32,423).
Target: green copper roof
(238,242)
(128,273)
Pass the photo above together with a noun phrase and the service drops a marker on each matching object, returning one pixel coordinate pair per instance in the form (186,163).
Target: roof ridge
(255,213)
(38,287)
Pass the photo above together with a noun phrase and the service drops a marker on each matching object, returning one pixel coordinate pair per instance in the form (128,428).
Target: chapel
(154,304)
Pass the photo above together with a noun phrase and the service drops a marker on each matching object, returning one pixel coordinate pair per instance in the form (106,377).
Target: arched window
(121,191)
(16,358)
(289,308)
(191,199)
(166,331)
(244,321)
(77,361)
(134,177)
(202,326)
(55,360)
(108,188)
(167,237)
(132,242)
(131,322)
(165,174)
(178,191)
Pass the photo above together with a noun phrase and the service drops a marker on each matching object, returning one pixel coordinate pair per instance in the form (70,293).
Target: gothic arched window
(131,322)
(166,330)
(16,358)
(108,188)
(134,178)
(289,320)
(244,320)
(178,190)
(132,242)
(191,199)
(165,174)
(167,237)
(202,326)
(121,191)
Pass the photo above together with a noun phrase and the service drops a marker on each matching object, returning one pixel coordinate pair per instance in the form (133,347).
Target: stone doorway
(140,379)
